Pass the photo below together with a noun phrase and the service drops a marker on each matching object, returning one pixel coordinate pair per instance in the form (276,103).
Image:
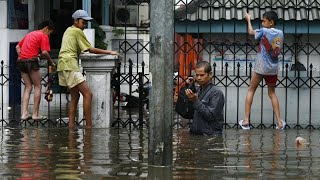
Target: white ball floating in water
(301,141)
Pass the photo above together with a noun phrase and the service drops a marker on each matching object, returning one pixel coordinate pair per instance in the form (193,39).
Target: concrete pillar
(161,68)
(98,69)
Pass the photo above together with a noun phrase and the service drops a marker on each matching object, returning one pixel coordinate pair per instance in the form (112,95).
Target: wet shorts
(271,80)
(70,78)
(27,65)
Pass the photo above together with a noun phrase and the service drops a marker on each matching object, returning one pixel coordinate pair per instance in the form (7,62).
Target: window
(18,14)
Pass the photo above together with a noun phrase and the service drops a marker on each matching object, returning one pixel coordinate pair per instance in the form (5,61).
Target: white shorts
(70,78)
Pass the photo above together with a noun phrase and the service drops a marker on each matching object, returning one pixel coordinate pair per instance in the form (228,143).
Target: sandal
(246,127)
(26,119)
(41,118)
(283,125)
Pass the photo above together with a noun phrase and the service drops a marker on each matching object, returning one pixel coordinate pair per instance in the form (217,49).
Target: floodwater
(57,153)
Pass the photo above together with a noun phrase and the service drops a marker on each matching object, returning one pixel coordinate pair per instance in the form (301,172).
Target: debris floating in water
(301,141)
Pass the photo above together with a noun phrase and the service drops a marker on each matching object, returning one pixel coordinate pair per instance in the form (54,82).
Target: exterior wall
(262,107)
(304,58)
(7,36)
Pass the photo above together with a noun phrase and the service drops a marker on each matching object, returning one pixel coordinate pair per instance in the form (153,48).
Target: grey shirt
(208,111)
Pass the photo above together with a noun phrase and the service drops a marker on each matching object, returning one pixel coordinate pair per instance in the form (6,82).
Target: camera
(192,87)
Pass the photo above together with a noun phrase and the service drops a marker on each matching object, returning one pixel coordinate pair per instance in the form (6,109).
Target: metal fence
(10,85)
(214,31)
(296,88)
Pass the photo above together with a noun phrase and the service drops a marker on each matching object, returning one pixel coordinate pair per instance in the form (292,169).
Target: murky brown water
(43,153)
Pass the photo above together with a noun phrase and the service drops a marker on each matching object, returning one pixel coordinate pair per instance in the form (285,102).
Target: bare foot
(280,125)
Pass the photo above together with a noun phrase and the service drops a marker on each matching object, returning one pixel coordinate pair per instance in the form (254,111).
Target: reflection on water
(57,153)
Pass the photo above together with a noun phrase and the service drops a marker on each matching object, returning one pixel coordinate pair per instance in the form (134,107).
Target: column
(98,69)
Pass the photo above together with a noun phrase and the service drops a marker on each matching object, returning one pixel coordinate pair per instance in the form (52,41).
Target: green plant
(100,35)
(117,32)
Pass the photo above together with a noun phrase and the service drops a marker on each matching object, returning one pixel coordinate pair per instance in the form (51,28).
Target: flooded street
(57,153)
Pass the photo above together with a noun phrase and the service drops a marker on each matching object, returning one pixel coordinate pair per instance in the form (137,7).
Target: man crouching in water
(208,103)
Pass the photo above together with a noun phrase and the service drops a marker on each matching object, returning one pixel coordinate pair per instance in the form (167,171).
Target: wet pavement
(57,153)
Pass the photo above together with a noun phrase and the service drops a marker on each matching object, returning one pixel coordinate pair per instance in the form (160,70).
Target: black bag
(184,107)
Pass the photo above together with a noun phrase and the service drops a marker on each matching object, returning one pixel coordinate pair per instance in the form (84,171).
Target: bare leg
(75,95)
(255,80)
(26,94)
(275,104)
(36,79)
(87,101)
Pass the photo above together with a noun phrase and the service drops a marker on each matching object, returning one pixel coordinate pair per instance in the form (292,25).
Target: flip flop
(26,119)
(42,118)
(283,125)
(246,127)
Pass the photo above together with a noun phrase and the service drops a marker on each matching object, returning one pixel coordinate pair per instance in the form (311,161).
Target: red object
(188,51)
(32,44)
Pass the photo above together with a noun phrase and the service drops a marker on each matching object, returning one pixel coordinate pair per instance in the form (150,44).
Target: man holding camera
(208,103)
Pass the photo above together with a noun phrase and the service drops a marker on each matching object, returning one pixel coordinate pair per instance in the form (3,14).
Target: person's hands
(51,69)
(190,80)
(175,97)
(52,63)
(114,53)
(191,95)
(247,16)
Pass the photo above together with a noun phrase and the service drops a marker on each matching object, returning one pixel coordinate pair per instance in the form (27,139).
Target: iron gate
(214,31)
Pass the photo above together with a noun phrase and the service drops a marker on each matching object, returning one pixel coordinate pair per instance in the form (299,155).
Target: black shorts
(28,65)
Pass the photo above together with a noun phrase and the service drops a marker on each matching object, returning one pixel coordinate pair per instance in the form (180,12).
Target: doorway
(60,12)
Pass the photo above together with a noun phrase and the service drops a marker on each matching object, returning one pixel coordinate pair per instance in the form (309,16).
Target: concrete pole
(161,68)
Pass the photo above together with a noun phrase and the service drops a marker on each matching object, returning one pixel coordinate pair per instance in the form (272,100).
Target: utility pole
(161,69)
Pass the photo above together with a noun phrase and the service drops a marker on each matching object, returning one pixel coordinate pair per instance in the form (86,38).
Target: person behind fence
(208,102)
(266,64)
(73,43)
(28,64)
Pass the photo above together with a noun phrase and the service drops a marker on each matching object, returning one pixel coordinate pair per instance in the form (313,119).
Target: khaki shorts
(70,78)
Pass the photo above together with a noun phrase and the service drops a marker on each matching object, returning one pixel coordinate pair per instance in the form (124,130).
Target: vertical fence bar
(226,96)
(238,95)
(130,120)
(298,126)
(118,91)
(310,126)
(48,84)
(60,105)
(261,125)
(117,96)
(141,99)
(286,96)
(250,75)
(214,73)
(2,94)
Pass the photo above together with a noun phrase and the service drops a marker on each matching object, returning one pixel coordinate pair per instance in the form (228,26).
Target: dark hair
(271,16)
(46,23)
(205,65)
